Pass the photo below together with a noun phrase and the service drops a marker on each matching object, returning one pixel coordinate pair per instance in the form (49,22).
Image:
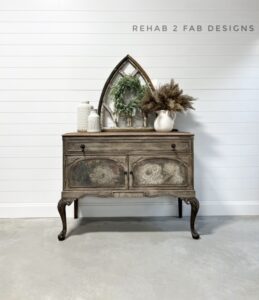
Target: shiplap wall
(54,54)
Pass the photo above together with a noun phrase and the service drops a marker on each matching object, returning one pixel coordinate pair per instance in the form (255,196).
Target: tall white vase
(164,122)
(83,111)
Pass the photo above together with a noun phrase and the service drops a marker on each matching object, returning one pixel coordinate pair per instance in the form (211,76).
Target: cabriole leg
(194,211)
(62,211)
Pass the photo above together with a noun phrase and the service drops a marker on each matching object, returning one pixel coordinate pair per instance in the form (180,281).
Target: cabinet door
(171,172)
(95,172)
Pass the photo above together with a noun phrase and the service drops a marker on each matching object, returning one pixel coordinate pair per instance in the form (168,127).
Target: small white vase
(164,122)
(83,111)
(94,122)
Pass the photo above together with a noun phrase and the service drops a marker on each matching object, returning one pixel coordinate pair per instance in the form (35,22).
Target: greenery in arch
(128,85)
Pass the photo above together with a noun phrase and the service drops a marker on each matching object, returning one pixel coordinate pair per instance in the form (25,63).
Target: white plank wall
(54,54)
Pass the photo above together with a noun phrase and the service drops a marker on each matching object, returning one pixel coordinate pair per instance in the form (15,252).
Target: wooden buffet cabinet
(128,164)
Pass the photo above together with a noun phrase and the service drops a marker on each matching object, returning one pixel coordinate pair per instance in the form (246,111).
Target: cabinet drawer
(85,146)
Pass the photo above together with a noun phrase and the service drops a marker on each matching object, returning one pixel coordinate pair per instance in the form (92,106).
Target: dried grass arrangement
(167,97)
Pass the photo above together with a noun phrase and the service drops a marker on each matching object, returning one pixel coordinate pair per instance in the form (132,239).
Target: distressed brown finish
(130,134)
(63,202)
(195,208)
(128,164)
(95,172)
(118,145)
(170,172)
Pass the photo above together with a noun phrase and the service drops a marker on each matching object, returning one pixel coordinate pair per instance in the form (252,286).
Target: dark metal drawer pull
(173,146)
(82,146)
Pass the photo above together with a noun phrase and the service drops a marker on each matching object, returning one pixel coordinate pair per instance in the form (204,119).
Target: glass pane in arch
(127,66)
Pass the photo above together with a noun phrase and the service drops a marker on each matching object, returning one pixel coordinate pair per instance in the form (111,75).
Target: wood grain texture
(164,159)
(106,174)
(129,134)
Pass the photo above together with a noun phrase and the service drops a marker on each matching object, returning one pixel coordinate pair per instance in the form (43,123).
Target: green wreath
(125,85)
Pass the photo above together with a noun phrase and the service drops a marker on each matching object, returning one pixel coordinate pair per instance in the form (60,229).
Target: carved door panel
(96,172)
(171,172)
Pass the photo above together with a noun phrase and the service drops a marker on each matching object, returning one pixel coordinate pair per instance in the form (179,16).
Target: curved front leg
(195,208)
(62,211)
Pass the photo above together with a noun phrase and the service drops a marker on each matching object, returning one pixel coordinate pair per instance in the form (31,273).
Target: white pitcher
(94,122)
(164,122)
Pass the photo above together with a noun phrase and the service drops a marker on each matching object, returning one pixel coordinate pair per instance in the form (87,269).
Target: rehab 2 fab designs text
(165,28)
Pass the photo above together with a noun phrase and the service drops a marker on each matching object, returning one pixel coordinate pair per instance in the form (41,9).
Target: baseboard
(29,210)
(126,208)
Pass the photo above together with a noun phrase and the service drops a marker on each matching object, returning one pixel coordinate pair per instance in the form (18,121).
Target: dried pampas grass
(167,97)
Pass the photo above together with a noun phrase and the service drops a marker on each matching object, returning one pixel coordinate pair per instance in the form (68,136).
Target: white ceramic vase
(164,122)
(94,122)
(83,111)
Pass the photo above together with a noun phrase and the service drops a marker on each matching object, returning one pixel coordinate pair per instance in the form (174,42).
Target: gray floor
(139,259)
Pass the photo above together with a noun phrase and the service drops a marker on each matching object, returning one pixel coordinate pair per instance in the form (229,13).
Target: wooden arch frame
(119,66)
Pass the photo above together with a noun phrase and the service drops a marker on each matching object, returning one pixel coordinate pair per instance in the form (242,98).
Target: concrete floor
(130,259)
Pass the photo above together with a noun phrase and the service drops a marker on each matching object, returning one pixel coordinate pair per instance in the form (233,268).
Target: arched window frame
(118,70)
